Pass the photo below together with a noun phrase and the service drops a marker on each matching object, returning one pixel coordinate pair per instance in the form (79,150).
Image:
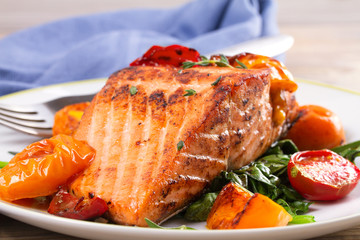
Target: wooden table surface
(326,49)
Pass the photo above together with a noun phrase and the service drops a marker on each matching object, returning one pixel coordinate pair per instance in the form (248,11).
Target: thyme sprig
(216,81)
(222,62)
(151,224)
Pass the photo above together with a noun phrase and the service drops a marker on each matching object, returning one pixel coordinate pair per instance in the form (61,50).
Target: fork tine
(18,109)
(30,124)
(43,132)
(22,116)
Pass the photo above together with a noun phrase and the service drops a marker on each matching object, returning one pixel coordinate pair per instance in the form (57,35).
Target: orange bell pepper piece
(236,208)
(43,166)
(67,119)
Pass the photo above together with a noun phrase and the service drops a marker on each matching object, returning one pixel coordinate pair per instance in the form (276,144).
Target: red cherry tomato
(66,205)
(173,55)
(322,175)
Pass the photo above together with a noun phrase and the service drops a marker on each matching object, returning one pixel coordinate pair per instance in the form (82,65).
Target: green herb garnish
(216,81)
(242,65)
(151,224)
(189,92)
(222,62)
(180,145)
(133,90)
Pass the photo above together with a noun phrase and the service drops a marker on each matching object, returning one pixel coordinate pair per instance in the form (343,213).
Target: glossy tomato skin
(66,205)
(173,55)
(43,166)
(322,175)
(316,128)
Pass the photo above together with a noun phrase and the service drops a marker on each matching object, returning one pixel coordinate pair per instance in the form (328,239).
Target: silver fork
(36,119)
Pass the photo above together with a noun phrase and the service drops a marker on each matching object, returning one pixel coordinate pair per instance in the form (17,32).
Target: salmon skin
(156,149)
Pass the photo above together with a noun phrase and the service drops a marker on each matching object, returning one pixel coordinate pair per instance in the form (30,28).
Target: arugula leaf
(349,151)
(199,210)
(268,176)
(295,208)
(3,164)
(302,219)
(151,224)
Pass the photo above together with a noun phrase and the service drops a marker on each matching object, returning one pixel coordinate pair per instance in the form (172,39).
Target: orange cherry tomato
(322,175)
(281,78)
(66,205)
(281,82)
(43,166)
(173,55)
(316,128)
(67,119)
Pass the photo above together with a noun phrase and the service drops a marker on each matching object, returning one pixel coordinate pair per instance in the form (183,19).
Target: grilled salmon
(158,146)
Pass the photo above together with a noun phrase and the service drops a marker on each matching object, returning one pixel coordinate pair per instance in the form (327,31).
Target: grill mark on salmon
(116,129)
(223,127)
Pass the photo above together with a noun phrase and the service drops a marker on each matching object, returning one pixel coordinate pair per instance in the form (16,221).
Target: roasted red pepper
(43,166)
(66,205)
(173,55)
(322,175)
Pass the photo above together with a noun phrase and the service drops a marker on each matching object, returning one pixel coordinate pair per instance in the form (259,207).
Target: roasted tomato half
(66,205)
(322,175)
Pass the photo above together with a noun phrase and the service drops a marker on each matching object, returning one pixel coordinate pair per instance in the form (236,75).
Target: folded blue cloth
(95,46)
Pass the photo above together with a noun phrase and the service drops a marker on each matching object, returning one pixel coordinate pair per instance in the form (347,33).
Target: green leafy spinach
(268,176)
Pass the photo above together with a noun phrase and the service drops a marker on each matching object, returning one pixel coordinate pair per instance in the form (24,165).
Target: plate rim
(349,220)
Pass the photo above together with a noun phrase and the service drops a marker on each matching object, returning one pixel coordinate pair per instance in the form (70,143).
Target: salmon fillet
(141,168)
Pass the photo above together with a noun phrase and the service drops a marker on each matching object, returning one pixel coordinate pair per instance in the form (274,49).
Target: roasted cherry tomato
(43,166)
(322,175)
(281,81)
(281,78)
(316,128)
(66,205)
(68,118)
(173,55)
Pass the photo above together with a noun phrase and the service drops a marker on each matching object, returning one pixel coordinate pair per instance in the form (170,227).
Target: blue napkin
(97,45)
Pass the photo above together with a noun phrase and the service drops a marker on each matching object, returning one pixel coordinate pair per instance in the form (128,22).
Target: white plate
(330,216)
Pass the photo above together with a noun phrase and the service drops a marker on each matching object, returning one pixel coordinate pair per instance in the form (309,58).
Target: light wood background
(326,49)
